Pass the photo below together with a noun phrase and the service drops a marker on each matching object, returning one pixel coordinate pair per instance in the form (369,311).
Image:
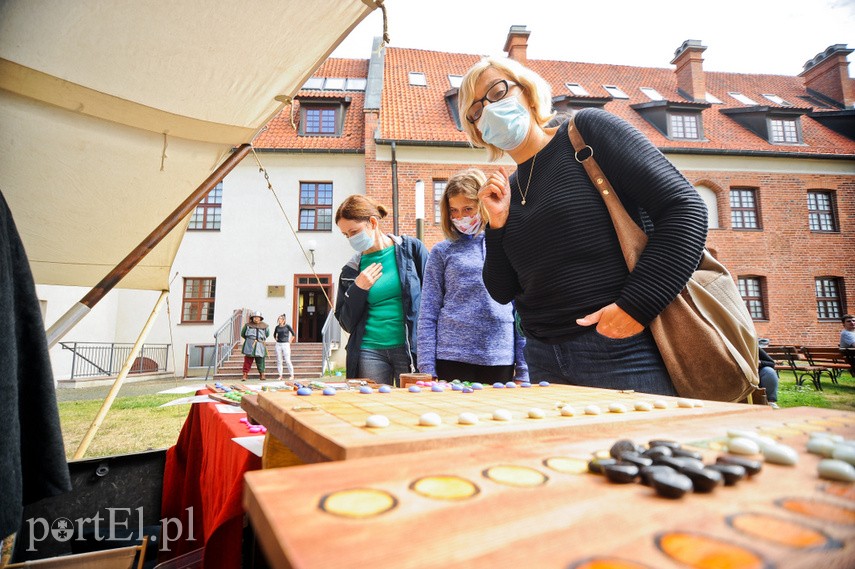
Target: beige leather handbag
(706,335)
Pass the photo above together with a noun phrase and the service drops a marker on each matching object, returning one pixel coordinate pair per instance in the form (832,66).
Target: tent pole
(123,373)
(82,308)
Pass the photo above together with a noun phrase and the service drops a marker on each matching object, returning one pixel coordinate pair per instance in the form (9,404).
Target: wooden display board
(320,428)
(528,502)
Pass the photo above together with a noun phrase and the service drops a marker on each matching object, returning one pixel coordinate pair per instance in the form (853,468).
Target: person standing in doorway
(283,334)
(254,334)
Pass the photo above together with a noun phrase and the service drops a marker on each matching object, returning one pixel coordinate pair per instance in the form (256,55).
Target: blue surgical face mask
(504,124)
(362,241)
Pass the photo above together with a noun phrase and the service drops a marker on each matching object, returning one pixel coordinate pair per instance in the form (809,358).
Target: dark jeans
(384,366)
(593,360)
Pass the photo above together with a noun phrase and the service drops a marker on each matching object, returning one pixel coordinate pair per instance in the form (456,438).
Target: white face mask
(504,124)
(362,241)
(467,225)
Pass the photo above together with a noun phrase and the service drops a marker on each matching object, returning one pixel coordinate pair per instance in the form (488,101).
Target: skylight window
(652,93)
(334,84)
(455,80)
(577,89)
(417,78)
(615,92)
(314,83)
(742,98)
(712,99)
(357,84)
(777,100)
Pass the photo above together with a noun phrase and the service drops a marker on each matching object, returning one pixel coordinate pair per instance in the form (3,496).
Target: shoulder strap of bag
(631,237)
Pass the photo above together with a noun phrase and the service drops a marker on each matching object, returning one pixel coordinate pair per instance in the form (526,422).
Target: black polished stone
(703,479)
(623,445)
(596,465)
(636,459)
(751,466)
(646,472)
(655,452)
(621,472)
(665,443)
(683,452)
(732,473)
(671,484)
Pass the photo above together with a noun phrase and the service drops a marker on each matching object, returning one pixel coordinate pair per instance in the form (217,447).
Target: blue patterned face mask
(362,241)
(504,124)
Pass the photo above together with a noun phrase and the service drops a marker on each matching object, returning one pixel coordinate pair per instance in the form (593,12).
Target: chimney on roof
(828,74)
(517,44)
(691,82)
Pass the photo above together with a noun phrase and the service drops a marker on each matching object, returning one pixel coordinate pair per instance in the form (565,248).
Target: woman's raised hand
(496,197)
(369,276)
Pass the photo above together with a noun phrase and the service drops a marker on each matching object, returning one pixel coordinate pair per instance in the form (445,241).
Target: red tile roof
(279,134)
(420,113)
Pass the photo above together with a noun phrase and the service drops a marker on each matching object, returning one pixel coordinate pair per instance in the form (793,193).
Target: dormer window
(777,125)
(417,79)
(684,126)
(322,117)
(455,80)
(678,120)
(784,130)
(577,89)
(745,100)
(615,91)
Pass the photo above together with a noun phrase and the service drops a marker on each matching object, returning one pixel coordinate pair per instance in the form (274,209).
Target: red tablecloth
(203,486)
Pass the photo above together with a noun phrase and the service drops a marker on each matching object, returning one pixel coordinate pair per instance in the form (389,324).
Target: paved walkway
(128,389)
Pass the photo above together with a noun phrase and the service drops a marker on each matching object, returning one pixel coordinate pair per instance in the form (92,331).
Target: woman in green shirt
(379,293)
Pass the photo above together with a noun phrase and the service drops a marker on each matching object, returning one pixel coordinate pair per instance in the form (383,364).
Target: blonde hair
(360,208)
(536,89)
(466,184)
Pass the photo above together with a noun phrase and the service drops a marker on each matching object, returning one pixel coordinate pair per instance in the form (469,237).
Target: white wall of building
(254,248)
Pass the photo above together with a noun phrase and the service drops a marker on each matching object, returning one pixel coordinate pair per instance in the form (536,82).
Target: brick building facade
(773,156)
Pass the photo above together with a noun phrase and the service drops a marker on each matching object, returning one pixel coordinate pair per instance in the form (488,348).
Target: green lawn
(833,396)
(133,424)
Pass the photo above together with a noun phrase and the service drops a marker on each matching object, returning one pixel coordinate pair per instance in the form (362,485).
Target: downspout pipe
(394,190)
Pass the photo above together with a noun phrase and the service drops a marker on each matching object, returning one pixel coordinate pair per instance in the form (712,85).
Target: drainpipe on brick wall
(394,191)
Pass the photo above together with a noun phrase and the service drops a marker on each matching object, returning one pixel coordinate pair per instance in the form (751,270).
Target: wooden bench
(829,357)
(787,358)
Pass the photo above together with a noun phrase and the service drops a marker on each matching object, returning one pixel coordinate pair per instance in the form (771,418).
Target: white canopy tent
(113,111)
(117,116)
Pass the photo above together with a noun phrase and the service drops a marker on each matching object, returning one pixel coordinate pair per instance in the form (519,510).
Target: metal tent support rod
(76,313)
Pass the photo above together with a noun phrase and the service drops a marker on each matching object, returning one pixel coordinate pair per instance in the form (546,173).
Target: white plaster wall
(255,247)
(118,317)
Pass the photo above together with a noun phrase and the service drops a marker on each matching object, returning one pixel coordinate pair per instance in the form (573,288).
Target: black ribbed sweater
(558,256)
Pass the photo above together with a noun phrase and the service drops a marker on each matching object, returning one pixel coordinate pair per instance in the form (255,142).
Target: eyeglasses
(495,93)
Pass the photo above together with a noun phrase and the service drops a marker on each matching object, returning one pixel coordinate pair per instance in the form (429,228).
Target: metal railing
(331,332)
(225,339)
(93,359)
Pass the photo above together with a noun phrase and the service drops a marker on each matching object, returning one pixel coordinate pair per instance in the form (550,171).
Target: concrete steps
(307,358)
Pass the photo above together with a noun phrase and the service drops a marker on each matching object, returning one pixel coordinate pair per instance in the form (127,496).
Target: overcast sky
(741,36)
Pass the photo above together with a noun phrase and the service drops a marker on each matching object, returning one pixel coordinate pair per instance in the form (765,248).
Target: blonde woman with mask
(551,245)
(379,293)
(463,333)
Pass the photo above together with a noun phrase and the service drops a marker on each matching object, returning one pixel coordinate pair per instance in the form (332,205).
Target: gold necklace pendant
(523,194)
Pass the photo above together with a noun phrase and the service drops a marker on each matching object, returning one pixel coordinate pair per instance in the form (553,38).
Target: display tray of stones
(230,394)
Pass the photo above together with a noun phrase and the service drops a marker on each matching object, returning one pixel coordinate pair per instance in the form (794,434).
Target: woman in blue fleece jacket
(463,333)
